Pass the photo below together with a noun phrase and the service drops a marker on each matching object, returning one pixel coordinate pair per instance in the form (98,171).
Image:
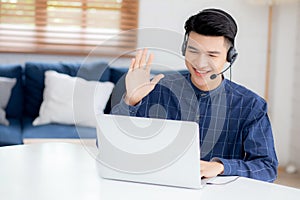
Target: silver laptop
(147,150)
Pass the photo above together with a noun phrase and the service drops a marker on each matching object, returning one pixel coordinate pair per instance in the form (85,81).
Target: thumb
(157,78)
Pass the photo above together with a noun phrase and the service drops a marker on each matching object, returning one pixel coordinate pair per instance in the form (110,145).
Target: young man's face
(205,56)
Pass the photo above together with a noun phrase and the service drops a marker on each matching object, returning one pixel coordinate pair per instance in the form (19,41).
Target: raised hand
(138,84)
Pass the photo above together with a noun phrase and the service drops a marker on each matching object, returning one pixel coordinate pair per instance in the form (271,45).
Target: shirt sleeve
(260,160)
(139,110)
(123,109)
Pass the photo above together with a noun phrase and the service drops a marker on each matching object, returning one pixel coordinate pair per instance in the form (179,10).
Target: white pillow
(72,100)
(6,85)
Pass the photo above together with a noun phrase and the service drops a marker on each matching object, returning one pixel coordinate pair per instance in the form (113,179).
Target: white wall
(168,17)
(284,47)
(295,126)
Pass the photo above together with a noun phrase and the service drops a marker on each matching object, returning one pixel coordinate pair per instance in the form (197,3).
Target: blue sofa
(27,96)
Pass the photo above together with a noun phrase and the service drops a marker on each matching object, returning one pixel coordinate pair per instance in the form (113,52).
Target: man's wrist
(220,164)
(126,100)
(221,168)
(129,101)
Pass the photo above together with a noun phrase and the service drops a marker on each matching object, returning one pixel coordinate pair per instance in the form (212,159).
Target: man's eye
(193,51)
(212,55)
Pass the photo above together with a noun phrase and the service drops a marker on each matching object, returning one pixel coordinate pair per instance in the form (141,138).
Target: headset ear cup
(184,44)
(231,55)
(183,48)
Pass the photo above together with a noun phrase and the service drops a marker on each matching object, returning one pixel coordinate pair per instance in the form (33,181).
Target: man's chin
(199,82)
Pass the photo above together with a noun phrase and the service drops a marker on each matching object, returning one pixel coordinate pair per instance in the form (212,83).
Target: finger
(143,58)
(149,61)
(202,170)
(131,67)
(156,79)
(202,174)
(137,59)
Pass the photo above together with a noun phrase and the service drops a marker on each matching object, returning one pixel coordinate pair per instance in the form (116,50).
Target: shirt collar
(203,94)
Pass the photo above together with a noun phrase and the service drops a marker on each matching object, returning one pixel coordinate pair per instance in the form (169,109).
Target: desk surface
(68,171)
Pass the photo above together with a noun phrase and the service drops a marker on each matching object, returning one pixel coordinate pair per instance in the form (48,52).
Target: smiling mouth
(201,72)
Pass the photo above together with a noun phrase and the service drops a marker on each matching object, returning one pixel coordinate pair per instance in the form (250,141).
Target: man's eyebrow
(193,48)
(210,52)
(214,52)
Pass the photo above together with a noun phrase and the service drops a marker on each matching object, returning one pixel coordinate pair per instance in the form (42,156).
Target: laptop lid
(147,150)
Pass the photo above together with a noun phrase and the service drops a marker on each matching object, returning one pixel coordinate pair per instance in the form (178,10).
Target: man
(235,132)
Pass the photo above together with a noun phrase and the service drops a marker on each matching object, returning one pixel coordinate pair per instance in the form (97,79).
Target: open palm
(138,84)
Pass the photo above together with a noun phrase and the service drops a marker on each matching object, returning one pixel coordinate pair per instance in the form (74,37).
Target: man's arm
(123,108)
(260,160)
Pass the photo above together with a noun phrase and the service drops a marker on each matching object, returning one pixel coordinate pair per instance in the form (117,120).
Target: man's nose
(202,61)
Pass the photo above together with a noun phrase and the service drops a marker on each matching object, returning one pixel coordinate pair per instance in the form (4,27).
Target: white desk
(68,171)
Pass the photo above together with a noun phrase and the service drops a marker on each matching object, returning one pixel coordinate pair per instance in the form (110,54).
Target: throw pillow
(6,85)
(72,100)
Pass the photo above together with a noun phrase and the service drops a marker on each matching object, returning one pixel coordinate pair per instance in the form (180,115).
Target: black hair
(212,22)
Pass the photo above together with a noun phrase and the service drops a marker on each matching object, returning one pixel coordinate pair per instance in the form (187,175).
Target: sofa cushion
(117,73)
(11,135)
(117,76)
(70,100)
(56,131)
(14,107)
(35,75)
(6,85)
(94,71)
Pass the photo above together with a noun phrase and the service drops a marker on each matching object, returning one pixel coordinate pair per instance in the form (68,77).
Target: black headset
(232,52)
